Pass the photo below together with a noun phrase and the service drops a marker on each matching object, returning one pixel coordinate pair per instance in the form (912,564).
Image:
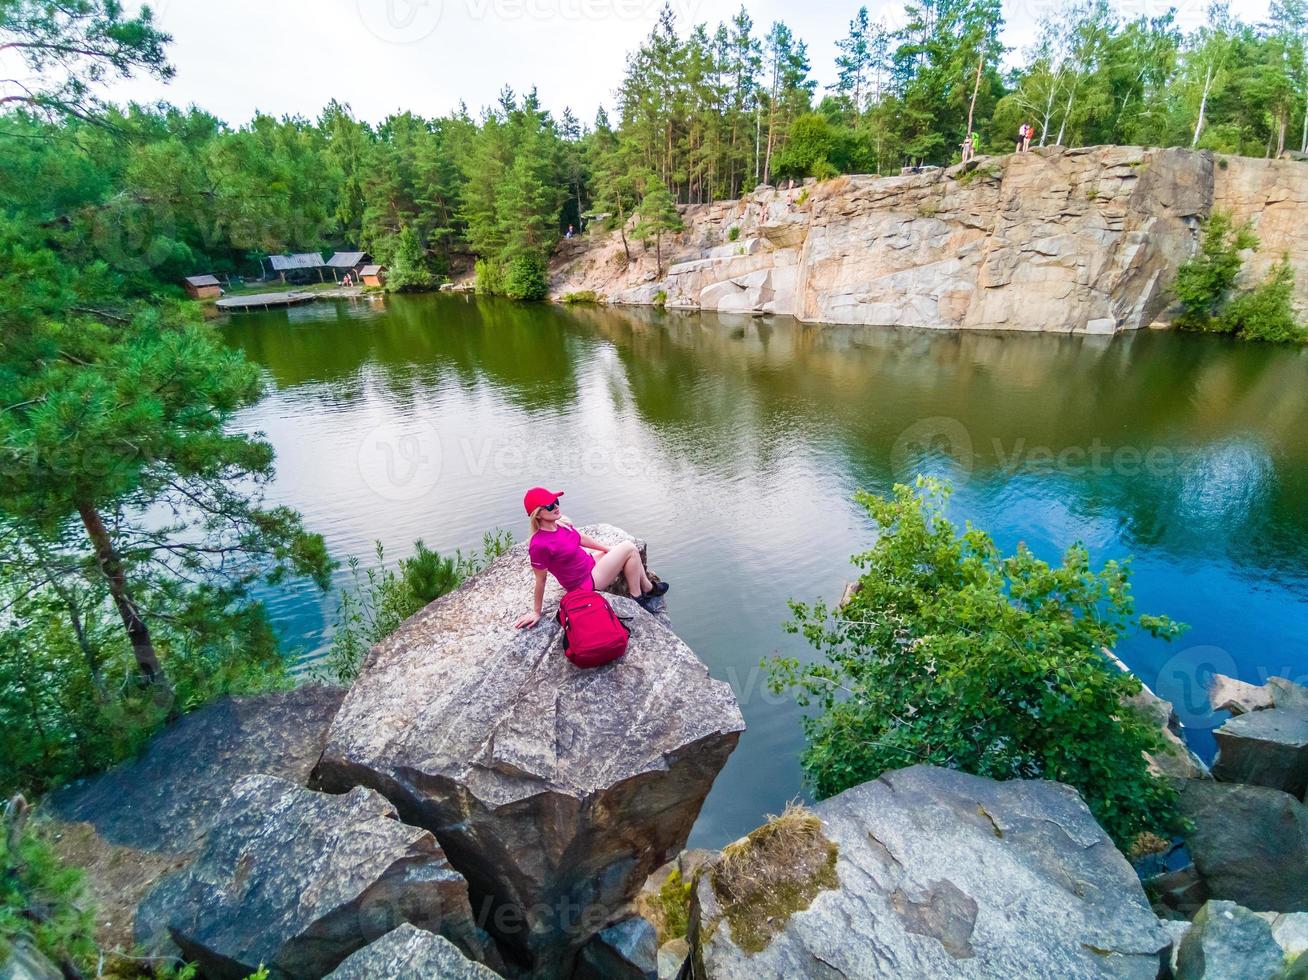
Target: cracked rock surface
(297,881)
(555,791)
(944,874)
(408,953)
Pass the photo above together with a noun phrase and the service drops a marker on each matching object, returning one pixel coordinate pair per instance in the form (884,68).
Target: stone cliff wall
(1066,240)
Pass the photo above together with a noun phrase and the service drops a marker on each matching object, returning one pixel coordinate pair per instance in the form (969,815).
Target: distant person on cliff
(1021,138)
(560,549)
(968,143)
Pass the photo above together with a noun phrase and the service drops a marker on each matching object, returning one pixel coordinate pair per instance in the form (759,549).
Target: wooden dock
(265,301)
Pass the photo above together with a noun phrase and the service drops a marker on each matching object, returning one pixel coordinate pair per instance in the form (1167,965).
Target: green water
(733,445)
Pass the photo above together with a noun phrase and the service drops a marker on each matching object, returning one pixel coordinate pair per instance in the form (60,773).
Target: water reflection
(734,445)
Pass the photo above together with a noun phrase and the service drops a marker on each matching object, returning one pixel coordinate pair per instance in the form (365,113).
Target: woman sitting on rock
(560,549)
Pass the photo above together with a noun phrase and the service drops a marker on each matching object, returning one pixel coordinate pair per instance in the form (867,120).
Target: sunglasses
(553,506)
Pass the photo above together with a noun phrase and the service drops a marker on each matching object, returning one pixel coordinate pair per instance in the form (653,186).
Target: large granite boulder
(927,872)
(1265,748)
(409,953)
(147,817)
(297,881)
(555,791)
(1228,942)
(1249,843)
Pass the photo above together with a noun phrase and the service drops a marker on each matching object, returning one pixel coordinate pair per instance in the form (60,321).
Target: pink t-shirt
(560,553)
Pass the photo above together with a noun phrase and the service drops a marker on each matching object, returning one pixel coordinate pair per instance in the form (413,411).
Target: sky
(292,56)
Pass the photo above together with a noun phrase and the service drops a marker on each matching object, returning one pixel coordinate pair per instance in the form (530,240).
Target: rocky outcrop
(409,953)
(1237,696)
(1227,942)
(1081,240)
(1265,748)
(147,817)
(1249,844)
(933,873)
(297,881)
(555,791)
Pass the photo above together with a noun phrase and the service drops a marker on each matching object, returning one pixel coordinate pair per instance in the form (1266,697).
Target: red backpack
(593,634)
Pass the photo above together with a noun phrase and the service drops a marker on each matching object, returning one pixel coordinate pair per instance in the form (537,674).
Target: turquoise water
(734,446)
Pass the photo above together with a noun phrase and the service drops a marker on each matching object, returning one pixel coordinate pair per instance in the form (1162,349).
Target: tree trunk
(1282,122)
(1067,112)
(147,661)
(971,109)
(658,254)
(1203,105)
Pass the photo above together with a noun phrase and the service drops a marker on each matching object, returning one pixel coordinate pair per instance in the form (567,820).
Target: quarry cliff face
(1065,240)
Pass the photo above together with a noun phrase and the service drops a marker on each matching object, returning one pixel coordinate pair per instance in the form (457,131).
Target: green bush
(583,296)
(661,298)
(489,277)
(526,278)
(409,271)
(42,900)
(1266,311)
(733,233)
(381,598)
(952,654)
(1204,282)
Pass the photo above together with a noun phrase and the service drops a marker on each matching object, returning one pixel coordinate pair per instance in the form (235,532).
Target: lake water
(734,446)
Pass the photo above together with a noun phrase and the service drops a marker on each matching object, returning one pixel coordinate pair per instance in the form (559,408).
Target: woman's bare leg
(621,559)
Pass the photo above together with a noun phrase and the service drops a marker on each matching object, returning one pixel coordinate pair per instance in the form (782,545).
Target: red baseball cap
(539,497)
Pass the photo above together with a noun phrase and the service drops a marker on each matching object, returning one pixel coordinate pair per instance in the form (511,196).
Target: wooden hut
(342,263)
(373,275)
(202,287)
(298,266)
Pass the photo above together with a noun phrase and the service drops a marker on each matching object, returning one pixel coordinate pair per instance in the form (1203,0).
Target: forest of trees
(115,397)
(708,112)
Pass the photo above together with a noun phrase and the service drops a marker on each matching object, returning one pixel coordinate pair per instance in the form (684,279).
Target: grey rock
(1290,931)
(26,962)
(1249,843)
(555,791)
(1287,694)
(166,799)
(409,953)
(298,880)
(1265,748)
(1228,942)
(1237,696)
(1177,929)
(627,950)
(672,958)
(944,874)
